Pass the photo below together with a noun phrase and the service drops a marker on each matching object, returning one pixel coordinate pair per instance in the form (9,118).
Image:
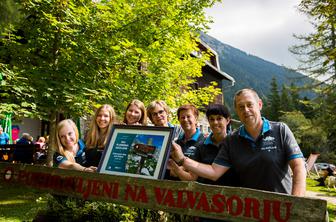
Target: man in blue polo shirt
(4,137)
(260,151)
(191,138)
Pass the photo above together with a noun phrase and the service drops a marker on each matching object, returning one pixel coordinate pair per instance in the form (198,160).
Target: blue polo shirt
(266,127)
(189,147)
(79,158)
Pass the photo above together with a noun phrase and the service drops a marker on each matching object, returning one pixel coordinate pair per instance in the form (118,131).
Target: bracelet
(181,162)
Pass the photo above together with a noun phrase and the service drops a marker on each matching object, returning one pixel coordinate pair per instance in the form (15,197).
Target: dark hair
(187,107)
(218,109)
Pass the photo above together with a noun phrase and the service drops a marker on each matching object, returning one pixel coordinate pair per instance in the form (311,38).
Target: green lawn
(312,186)
(20,204)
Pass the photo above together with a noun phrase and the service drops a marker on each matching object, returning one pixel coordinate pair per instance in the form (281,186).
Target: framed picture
(137,151)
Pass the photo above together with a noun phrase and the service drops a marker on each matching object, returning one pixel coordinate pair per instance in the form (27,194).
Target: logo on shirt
(190,151)
(269,138)
(59,158)
(269,144)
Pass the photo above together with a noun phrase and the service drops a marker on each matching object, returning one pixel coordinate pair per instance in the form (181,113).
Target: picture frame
(137,151)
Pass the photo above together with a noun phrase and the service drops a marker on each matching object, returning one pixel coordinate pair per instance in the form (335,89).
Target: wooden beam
(191,198)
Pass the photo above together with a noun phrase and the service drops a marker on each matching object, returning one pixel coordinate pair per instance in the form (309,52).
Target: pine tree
(317,54)
(286,104)
(318,49)
(273,105)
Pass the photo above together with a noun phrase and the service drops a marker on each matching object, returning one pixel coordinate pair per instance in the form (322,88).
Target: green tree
(294,96)
(76,54)
(272,108)
(310,136)
(317,53)
(9,14)
(325,110)
(318,49)
(286,104)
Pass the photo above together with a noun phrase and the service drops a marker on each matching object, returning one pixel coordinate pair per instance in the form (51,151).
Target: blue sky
(263,28)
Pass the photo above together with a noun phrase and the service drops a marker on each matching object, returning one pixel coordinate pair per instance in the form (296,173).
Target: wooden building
(211,72)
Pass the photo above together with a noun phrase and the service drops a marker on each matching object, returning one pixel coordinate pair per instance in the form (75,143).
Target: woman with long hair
(70,150)
(97,136)
(135,113)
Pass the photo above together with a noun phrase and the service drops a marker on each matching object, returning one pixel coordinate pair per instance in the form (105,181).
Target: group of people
(260,154)
(74,153)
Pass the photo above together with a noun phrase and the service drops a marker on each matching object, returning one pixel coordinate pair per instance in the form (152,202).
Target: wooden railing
(191,198)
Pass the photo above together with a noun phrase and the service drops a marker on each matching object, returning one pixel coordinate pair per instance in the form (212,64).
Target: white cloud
(263,28)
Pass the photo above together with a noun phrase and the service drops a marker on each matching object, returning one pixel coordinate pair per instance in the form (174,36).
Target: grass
(312,186)
(20,204)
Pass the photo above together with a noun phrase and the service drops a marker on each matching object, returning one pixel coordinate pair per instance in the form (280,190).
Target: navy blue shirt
(262,163)
(206,154)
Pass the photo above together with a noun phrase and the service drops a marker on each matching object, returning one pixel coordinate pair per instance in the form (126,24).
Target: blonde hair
(96,138)
(59,146)
(152,106)
(141,106)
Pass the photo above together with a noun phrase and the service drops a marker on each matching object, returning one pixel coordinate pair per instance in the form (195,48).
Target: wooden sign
(192,198)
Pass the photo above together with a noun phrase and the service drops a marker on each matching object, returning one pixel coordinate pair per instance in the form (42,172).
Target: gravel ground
(321,196)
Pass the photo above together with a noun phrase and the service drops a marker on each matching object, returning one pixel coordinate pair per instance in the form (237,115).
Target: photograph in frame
(137,151)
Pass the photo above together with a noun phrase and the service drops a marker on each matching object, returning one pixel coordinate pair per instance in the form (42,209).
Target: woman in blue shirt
(69,148)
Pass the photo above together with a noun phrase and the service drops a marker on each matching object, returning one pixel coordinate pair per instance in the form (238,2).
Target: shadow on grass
(20,204)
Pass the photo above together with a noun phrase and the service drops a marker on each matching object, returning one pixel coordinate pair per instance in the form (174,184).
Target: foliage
(12,101)
(76,54)
(327,157)
(9,14)
(286,102)
(272,110)
(71,209)
(318,49)
(309,136)
(317,53)
(326,110)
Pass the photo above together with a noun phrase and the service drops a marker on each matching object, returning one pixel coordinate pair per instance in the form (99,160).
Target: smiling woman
(135,113)
(70,150)
(96,138)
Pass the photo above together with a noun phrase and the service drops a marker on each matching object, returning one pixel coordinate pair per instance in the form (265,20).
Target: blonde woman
(70,150)
(135,113)
(97,136)
(158,113)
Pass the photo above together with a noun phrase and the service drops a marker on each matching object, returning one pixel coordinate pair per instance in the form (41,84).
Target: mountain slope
(250,71)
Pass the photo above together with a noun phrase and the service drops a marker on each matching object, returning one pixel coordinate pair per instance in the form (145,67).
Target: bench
(19,153)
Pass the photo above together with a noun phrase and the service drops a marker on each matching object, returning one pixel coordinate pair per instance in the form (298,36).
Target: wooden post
(191,198)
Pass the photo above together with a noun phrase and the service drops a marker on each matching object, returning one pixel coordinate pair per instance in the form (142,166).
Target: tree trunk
(52,137)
